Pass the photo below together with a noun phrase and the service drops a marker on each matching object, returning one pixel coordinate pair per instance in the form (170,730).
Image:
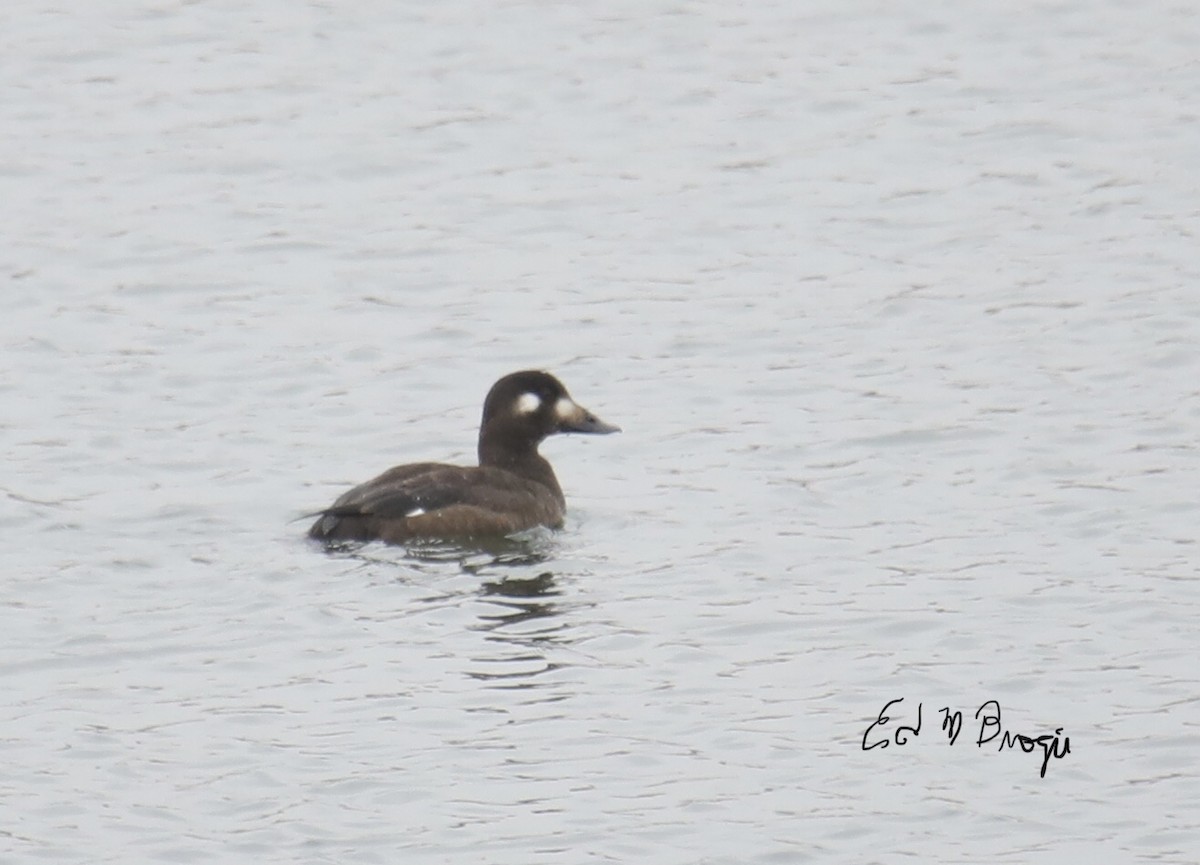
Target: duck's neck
(522,460)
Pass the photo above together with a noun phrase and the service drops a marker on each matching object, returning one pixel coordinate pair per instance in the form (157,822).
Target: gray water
(896,303)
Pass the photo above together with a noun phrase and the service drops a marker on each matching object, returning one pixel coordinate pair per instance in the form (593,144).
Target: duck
(513,488)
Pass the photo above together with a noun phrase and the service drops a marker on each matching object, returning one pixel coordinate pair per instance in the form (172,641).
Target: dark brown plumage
(512,489)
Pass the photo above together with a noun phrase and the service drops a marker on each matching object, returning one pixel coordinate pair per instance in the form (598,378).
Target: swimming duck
(512,489)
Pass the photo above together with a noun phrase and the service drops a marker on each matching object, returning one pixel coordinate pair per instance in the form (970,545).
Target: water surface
(896,305)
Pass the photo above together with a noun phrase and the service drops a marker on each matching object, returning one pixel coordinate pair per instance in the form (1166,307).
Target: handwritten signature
(989,728)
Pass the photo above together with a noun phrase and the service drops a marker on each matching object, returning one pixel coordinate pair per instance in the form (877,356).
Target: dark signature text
(884,732)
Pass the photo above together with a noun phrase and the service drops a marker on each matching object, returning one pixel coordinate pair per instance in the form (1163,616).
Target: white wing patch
(528,403)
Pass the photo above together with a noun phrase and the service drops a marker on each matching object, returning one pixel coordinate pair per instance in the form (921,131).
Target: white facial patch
(565,408)
(528,403)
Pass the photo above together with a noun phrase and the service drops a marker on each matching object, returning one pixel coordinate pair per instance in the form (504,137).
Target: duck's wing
(404,493)
(434,499)
(399,492)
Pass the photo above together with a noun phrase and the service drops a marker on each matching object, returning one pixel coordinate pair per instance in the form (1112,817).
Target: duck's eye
(528,403)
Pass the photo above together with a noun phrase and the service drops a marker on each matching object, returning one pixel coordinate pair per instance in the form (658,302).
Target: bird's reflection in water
(475,557)
(521,620)
(520,600)
(522,627)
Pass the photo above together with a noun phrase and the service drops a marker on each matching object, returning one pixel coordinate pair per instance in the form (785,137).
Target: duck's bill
(573,417)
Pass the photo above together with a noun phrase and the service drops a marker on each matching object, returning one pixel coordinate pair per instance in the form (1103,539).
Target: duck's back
(436,500)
